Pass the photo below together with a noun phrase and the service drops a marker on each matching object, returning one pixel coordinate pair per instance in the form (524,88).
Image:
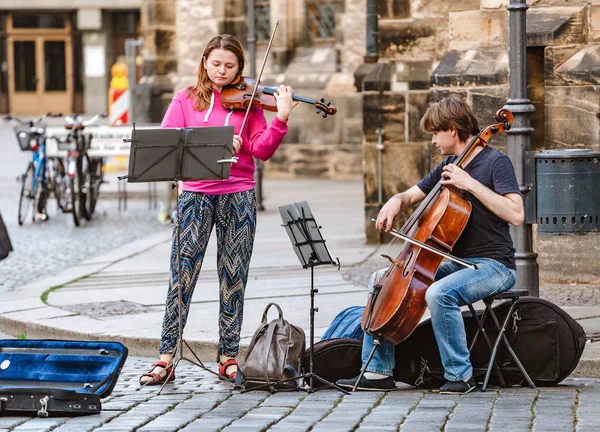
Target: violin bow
(258,78)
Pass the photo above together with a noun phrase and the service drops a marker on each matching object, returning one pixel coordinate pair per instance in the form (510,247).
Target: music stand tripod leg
(311,375)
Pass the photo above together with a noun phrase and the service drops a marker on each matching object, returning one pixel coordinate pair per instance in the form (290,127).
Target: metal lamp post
(519,142)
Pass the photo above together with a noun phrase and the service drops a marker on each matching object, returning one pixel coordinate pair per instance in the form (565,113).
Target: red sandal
(158,378)
(223,370)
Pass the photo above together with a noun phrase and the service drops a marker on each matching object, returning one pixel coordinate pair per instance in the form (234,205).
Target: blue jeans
(455,286)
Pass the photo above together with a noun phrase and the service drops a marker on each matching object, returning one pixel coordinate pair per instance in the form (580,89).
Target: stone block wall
(158,27)
(462,47)
(572,107)
(176,32)
(413,37)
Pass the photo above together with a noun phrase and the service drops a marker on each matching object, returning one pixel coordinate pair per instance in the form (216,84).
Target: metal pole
(380,148)
(130,55)
(251,39)
(131,78)
(519,142)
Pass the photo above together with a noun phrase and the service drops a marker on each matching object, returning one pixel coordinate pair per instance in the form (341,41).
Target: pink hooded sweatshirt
(259,140)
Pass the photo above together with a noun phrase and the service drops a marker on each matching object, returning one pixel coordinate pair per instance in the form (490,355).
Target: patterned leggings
(235,218)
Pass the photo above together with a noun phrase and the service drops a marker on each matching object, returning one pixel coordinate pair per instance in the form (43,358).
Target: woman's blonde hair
(202,91)
(452,111)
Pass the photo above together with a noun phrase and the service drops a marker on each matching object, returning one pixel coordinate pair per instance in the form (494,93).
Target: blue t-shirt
(486,235)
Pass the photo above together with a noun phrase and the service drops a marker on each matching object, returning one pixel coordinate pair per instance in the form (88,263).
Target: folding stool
(512,295)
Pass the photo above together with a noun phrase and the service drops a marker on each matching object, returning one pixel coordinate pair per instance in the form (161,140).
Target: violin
(397,302)
(237,95)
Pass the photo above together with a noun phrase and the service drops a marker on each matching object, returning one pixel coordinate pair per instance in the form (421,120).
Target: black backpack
(334,359)
(547,341)
(5,245)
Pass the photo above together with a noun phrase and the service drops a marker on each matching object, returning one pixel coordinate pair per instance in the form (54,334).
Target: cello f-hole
(407,261)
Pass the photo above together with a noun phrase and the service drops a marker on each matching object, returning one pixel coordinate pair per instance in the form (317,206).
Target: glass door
(40,64)
(23,76)
(57,94)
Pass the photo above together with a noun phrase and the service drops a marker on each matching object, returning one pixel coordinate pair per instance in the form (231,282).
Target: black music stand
(156,154)
(312,251)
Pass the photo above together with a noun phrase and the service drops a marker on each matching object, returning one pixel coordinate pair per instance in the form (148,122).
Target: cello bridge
(393,261)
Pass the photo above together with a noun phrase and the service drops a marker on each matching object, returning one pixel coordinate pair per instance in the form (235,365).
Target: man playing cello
(487,180)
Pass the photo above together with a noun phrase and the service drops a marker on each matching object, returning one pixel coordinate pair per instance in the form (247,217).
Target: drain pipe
(251,40)
(372,54)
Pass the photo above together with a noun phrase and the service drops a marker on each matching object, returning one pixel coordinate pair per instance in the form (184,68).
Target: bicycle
(38,181)
(85,172)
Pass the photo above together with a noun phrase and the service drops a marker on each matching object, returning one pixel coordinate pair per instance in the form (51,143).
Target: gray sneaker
(458,387)
(383,384)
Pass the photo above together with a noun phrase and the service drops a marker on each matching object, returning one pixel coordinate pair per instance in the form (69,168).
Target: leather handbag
(274,354)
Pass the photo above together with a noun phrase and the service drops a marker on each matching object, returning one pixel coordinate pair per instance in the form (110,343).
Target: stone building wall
(467,52)
(413,38)
(322,147)
(159,50)
(176,32)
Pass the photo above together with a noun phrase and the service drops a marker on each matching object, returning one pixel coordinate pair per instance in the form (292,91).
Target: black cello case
(546,339)
(55,377)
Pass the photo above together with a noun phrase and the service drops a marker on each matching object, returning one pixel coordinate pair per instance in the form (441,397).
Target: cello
(397,303)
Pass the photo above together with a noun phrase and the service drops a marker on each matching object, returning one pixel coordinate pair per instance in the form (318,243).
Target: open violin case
(55,377)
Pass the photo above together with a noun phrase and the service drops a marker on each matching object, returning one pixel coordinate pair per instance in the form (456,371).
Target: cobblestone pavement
(44,248)
(198,401)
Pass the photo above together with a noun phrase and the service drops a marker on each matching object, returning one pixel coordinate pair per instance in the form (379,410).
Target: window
(55,65)
(321,21)
(25,71)
(48,21)
(262,13)
(393,9)
(126,22)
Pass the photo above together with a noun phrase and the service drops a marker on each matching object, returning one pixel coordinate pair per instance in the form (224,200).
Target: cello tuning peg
(324,115)
(322,100)
(328,103)
(318,111)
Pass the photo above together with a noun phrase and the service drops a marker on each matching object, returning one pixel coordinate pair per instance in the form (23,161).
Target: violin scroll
(326,109)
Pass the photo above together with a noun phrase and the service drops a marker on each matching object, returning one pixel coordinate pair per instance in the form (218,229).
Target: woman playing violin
(229,204)
(489,183)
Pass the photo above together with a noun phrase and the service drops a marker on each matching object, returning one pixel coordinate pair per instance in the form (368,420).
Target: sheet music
(158,154)
(304,233)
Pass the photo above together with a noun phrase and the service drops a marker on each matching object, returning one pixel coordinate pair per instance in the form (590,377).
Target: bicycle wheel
(95,180)
(86,183)
(61,187)
(26,197)
(39,199)
(77,197)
